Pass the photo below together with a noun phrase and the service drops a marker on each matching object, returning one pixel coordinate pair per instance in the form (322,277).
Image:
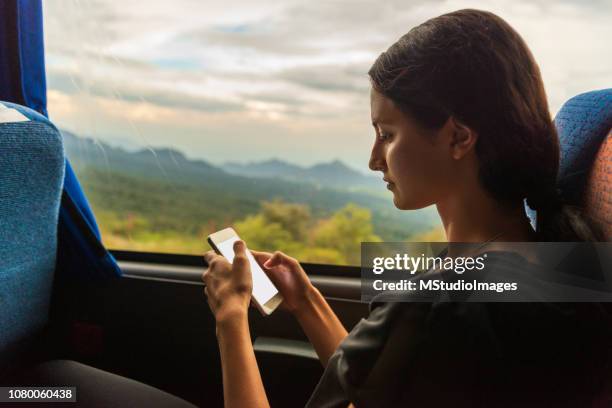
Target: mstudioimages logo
(436,285)
(412,264)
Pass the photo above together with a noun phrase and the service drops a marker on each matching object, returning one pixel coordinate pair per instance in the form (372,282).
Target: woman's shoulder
(403,349)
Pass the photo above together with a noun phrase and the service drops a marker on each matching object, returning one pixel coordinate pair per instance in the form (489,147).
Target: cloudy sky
(247,80)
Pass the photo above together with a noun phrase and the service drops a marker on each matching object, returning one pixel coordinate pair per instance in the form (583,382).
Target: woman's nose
(376,162)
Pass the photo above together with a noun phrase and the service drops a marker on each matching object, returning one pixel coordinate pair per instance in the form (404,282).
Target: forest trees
(292,229)
(332,237)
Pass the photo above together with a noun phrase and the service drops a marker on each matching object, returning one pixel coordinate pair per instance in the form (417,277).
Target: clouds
(267,67)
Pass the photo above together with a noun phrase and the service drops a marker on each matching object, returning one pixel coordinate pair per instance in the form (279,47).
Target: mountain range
(118,180)
(333,174)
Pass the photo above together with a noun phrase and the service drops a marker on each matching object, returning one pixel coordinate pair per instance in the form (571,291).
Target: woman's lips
(390,186)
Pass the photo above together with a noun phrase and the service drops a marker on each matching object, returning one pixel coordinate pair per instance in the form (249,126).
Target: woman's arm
(228,290)
(321,325)
(305,302)
(242,385)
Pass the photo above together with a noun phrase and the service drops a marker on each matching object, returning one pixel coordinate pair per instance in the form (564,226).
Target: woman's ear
(463,139)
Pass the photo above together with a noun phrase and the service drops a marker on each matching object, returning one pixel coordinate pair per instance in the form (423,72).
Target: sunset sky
(252,80)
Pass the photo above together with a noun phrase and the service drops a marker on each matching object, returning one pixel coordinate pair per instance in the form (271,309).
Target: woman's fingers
(261,257)
(217,265)
(280,258)
(275,260)
(209,256)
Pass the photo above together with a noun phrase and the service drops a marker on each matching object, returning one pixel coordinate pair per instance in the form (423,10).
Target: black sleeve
(362,369)
(470,354)
(411,354)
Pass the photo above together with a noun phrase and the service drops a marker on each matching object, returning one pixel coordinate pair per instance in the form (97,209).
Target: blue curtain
(22,80)
(22,73)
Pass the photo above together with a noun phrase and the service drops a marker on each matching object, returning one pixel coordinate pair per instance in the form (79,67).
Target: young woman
(461,121)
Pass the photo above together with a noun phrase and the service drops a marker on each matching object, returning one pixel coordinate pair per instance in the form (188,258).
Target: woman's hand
(321,325)
(228,285)
(228,289)
(289,278)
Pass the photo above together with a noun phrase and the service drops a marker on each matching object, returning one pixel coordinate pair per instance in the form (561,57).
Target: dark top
(433,354)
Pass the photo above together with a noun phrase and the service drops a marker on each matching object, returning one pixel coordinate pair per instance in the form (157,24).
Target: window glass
(183,117)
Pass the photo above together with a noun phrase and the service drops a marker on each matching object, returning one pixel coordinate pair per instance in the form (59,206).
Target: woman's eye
(382,136)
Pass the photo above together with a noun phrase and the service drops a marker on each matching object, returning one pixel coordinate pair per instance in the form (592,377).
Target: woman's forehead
(383,110)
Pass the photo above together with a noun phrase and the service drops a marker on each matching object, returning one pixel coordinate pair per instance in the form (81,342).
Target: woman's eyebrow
(377,122)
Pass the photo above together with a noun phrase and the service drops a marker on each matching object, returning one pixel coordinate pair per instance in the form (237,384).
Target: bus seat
(32,169)
(31,176)
(584,126)
(598,195)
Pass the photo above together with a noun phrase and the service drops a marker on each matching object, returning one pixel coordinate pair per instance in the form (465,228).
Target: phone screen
(263,288)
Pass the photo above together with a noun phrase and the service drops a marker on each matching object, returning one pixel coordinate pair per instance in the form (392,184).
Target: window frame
(158,258)
(335,282)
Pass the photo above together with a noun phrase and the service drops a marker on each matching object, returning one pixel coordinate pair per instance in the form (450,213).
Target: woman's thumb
(239,248)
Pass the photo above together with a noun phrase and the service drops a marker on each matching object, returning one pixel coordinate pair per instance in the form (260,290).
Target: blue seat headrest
(582,124)
(31,179)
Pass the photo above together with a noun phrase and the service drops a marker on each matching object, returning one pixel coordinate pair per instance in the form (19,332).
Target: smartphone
(265,295)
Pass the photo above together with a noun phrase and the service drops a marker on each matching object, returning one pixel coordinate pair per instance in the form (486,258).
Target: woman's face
(415,162)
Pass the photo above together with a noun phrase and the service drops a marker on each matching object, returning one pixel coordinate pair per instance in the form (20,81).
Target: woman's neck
(474,216)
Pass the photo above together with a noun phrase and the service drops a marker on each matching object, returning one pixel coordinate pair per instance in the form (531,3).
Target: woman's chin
(398,202)
(402,203)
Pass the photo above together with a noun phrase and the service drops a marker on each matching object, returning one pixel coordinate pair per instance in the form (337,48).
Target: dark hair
(472,65)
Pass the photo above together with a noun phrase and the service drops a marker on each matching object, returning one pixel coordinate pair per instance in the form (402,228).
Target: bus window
(182,118)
